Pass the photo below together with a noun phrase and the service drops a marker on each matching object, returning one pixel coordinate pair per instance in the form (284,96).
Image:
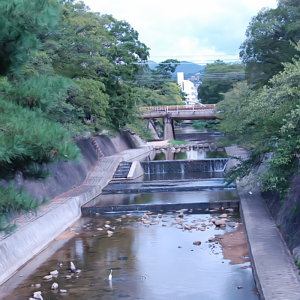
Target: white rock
(54,286)
(55,272)
(63,291)
(37,285)
(48,277)
(38,295)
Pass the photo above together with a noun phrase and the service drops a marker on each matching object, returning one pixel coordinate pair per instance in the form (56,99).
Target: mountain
(152,64)
(188,68)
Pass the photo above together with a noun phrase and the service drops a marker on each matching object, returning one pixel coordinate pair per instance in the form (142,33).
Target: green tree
(266,123)
(218,78)
(30,97)
(268,43)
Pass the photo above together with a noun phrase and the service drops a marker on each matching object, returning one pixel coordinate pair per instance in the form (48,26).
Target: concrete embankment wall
(275,273)
(286,213)
(65,176)
(36,230)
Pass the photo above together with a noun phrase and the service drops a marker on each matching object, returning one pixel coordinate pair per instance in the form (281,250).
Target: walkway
(274,270)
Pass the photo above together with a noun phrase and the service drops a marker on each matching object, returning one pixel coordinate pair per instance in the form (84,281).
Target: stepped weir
(183,166)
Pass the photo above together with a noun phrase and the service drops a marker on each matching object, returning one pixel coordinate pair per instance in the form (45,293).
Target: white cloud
(189,30)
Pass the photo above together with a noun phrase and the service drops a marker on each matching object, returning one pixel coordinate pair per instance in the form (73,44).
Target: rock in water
(55,272)
(223,216)
(54,286)
(38,295)
(197,243)
(220,222)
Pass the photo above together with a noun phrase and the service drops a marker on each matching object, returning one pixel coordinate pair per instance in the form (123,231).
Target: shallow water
(166,197)
(154,262)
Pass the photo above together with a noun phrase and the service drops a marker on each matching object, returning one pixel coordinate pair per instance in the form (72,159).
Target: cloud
(187,30)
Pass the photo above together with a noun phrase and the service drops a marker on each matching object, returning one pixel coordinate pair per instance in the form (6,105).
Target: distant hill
(190,68)
(185,67)
(152,64)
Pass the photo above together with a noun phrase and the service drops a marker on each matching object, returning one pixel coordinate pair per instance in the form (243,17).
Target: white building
(189,88)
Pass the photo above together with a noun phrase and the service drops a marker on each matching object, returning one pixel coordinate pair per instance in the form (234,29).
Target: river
(152,259)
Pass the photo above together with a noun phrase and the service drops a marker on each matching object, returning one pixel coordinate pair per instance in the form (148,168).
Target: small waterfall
(182,166)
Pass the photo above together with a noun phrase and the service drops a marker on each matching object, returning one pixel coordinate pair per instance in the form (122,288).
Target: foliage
(157,88)
(14,200)
(268,41)
(266,123)
(201,124)
(22,23)
(218,79)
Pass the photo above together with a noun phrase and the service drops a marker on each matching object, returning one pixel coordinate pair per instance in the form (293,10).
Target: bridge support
(168,129)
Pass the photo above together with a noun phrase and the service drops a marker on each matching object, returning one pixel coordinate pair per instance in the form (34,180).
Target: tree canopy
(217,79)
(270,37)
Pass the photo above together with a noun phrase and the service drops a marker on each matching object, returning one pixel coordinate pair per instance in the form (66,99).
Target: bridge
(177,112)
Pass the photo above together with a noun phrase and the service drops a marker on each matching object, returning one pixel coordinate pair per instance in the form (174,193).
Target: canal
(197,250)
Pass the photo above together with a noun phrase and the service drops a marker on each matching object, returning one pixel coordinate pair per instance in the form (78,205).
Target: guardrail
(172,108)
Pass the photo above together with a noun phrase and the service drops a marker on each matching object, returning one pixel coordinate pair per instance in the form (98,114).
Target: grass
(174,142)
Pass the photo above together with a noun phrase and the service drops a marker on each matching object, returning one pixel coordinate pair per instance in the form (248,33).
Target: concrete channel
(275,274)
(35,231)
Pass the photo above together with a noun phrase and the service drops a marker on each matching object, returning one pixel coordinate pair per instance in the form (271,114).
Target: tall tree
(266,122)
(269,40)
(217,79)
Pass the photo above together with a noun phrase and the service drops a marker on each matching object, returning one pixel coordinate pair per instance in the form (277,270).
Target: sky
(194,30)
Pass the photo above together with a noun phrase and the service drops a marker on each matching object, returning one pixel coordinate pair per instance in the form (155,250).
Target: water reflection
(168,197)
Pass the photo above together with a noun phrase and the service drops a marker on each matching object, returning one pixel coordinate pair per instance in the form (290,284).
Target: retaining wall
(36,230)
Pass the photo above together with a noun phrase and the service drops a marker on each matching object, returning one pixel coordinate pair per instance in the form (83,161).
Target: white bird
(110,275)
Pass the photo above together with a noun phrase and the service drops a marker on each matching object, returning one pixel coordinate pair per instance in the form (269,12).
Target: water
(164,198)
(148,262)
(194,154)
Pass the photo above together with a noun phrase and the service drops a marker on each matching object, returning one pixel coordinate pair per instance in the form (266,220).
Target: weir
(183,166)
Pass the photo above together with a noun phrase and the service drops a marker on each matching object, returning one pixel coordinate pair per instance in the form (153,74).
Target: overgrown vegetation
(262,114)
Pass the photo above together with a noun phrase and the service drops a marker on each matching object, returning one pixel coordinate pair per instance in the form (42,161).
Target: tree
(217,79)
(268,43)
(266,122)
(30,97)
(22,23)
(100,54)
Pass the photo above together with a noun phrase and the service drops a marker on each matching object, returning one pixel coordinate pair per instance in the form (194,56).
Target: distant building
(189,88)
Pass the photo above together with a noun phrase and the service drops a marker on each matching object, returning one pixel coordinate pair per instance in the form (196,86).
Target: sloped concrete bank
(36,230)
(274,271)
